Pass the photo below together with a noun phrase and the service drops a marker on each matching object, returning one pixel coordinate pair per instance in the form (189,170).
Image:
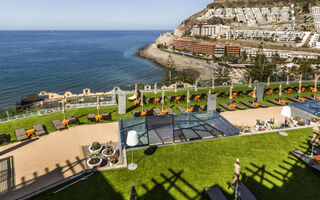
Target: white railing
(47,111)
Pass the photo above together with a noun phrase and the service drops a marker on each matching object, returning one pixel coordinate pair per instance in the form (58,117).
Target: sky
(96,14)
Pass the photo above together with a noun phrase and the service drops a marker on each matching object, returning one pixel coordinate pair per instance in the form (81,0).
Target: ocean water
(59,61)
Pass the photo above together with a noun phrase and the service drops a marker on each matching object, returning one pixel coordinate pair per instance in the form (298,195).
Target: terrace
(208,127)
(183,171)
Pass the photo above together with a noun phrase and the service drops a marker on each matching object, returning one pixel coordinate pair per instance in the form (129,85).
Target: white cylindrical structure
(132,139)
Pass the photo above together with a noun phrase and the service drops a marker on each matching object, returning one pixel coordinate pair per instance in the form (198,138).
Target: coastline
(151,52)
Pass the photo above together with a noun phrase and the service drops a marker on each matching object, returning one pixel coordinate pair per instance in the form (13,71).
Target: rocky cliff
(185,27)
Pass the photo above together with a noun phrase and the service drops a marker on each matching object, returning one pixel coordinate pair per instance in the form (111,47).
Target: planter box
(313,123)
(294,122)
(260,127)
(107,156)
(91,166)
(269,124)
(95,151)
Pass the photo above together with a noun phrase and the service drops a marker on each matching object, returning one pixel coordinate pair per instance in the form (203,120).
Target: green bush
(314,119)
(275,126)
(297,118)
(301,123)
(95,146)
(260,122)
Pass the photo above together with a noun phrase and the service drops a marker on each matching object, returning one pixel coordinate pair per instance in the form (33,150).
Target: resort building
(205,48)
(194,46)
(314,41)
(252,16)
(283,54)
(232,50)
(315,12)
(219,51)
(213,31)
(296,37)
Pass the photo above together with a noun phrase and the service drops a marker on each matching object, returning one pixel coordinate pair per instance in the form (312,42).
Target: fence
(47,111)
(203,83)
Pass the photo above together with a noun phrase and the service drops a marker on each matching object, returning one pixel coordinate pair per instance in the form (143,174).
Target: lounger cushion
(39,129)
(3,138)
(215,193)
(21,134)
(58,124)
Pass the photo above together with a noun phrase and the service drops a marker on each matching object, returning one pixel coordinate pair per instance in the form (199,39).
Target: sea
(59,61)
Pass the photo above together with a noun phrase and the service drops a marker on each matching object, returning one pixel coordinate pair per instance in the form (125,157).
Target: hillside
(302,7)
(259,3)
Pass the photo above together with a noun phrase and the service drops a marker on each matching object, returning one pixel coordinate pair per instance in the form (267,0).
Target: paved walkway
(249,116)
(53,157)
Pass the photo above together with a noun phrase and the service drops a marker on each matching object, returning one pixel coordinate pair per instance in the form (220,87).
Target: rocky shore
(160,57)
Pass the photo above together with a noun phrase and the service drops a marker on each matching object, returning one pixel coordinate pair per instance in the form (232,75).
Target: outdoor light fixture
(132,140)
(286,112)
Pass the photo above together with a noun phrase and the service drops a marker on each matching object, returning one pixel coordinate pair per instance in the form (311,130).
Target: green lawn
(183,171)
(81,113)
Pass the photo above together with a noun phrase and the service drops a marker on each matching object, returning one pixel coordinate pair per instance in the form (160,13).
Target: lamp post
(286,112)
(132,140)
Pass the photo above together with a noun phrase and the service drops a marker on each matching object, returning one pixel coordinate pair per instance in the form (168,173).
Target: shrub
(314,119)
(95,146)
(94,158)
(301,123)
(275,126)
(296,118)
(260,122)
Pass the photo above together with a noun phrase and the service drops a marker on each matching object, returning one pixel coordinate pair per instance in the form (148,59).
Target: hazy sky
(96,14)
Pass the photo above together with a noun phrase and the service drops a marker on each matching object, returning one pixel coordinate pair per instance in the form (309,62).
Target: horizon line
(86,29)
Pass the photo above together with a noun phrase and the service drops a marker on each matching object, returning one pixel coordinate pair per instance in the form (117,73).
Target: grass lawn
(82,113)
(183,171)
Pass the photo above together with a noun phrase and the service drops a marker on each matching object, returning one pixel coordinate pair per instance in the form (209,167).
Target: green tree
(244,56)
(169,71)
(306,69)
(260,69)
(171,67)
(223,74)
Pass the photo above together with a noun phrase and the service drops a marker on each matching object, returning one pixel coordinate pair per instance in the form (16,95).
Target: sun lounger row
(306,159)
(138,113)
(104,116)
(194,108)
(3,138)
(215,193)
(22,135)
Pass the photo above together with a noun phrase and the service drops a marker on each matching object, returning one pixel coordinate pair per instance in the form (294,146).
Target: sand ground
(182,62)
(53,157)
(249,116)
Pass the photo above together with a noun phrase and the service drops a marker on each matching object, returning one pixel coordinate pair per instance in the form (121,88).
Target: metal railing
(47,111)
(114,102)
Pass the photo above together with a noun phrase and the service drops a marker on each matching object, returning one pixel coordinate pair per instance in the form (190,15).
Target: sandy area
(182,62)
(249,116)
(55,156)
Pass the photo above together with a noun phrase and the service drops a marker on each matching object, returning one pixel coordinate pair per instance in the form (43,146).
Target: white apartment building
(276,36)
(314,41)
(213,31)
(283,54)
(315,12)
(251,16)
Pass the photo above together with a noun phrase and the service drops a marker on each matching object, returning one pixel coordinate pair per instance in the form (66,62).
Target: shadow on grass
(292,180)
(29,185)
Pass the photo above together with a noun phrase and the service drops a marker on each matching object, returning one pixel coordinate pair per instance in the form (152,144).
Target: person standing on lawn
(236,180)
(315,139)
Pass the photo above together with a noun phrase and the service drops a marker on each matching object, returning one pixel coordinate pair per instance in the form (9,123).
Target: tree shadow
(26,142)
(292,180)
(150,151)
